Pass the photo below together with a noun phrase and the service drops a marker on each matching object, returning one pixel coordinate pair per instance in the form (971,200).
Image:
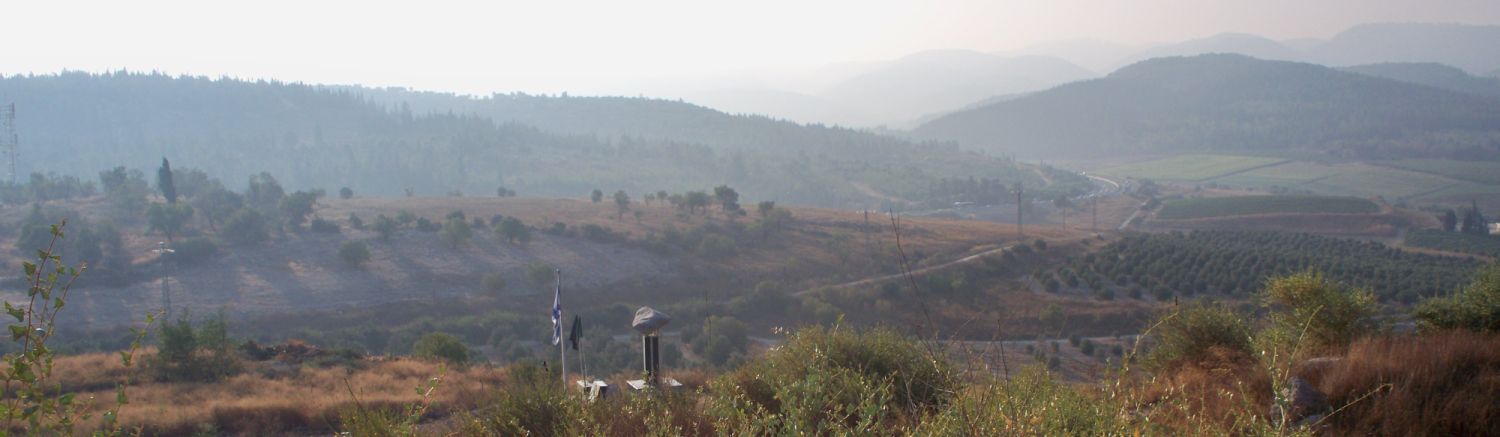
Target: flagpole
(561,345)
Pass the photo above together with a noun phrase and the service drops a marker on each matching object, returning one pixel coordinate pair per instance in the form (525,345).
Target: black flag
(576,333)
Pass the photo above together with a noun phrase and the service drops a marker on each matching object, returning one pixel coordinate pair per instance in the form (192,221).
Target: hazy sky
(552,46)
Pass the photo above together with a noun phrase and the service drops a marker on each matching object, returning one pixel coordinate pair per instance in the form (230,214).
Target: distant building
(1495,228)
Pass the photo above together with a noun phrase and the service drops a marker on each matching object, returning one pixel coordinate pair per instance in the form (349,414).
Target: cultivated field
(1190,167)
(1180,209)
(1473,171)
(1484,245)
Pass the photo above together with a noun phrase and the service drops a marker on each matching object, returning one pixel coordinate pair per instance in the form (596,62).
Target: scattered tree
(622,203)
(441,346)
(765,207)
(596,196)
(246,226)
(125,189)
(385,226)
(297,207)
(346,193)
(455,231)
(168,218)
(355,253)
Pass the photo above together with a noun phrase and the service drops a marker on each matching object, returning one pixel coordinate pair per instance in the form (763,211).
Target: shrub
(346,193)
(1314,314)
(540,274)
(455,231)
(323,226)
(195,353)
(837,381)
(356,222)
(246,226)
(441,346)
(1476,307)
(1187,335)
(425,225)
(385,226)
(355,253)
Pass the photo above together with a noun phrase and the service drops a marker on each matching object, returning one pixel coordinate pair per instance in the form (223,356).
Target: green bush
(186,352)
(441,346)
(385,226)
(1313,314)
(1187,335)
(1476,307)
(456,231)
(246,226)
(837,381)
(355,253)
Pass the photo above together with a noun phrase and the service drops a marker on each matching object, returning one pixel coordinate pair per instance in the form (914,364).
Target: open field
(1361,180)
(1484,245)
(1190,168)
(1483,172)
(1178,209)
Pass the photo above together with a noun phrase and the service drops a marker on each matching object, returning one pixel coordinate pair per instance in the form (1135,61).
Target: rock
(648,320)
(1302,400)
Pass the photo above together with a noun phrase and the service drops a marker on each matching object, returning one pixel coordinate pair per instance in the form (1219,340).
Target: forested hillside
(1233,103)
(389,142)
(1433,75)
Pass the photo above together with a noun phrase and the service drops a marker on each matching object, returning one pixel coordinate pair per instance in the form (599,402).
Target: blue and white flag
(557,313)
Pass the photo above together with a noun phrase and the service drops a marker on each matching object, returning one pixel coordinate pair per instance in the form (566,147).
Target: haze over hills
(1233,103)
(388,141)
(1433,75)
(896,92)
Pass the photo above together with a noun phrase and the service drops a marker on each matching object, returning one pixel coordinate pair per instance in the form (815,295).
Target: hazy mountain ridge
(389,141)
(1233,103)
(1433,75)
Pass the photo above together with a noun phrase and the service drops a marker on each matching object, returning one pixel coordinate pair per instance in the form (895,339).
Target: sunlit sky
(597,46)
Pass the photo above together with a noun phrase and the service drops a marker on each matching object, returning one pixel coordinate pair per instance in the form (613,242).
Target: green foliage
(1190,334)
(164,182)
(168,218)
(1476,307)
(1245,205)
(441,346)
(296,207)
(1236,263)
(385,226)
(264,193)
(622,203)
(596,196)
(346,193)
(321,226)
(41,188)
(363,420)
(513,230)
(1317,314)
(186,352)
(834,381)
(1454,241)
(216,203)
(455,232)
(246,226)
(355,253)
(125,189)
(1029,403)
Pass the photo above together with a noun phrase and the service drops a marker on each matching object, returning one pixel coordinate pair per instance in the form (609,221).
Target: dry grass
(1439,384)
(294,401)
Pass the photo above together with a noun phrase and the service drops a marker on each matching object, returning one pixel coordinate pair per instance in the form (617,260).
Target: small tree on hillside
(246,226)
(1450,220)
(125,189)
(168,218)
(728,199)
(697,199)
(297,207)
(455,231)
(512,230)
(765,207)
(355,253)
(662,195)
(346,193)
(622,203)
(385,226)
(596,196)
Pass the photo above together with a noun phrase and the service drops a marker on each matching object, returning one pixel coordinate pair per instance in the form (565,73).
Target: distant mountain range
(1433,75)
(1234,103)
(901,92)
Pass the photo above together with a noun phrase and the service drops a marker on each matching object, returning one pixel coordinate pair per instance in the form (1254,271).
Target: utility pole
(1020,191)
(8,139)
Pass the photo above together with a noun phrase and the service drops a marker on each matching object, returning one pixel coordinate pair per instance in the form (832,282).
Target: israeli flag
(557,314)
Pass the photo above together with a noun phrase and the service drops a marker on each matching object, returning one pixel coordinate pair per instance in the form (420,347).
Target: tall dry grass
(1444,383)
(272,399)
